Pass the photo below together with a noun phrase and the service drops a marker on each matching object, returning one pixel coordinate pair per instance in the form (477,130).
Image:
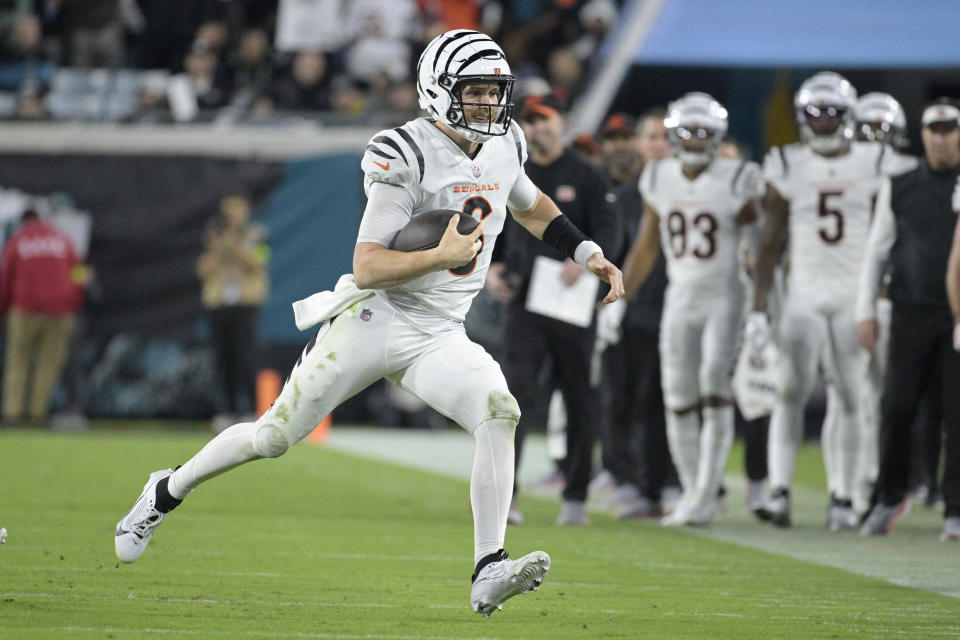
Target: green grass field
(324,544)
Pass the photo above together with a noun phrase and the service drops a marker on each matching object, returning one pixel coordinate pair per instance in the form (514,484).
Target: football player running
(400,315)
(696,205)
(822,191)
(880,118)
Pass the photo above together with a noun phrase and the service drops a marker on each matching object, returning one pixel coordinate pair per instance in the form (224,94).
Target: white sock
(828,440)
(230,448)
(715,441)
(683,436)
(786,431)
(491,485)
(846,446)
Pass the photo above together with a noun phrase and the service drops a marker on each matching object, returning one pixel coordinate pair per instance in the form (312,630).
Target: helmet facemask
(880,118)
(825,112)
(695,117)
(475,118)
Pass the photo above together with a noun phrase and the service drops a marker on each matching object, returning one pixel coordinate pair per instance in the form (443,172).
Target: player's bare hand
(571,272)
(608,272)
(456,250)
(867,332)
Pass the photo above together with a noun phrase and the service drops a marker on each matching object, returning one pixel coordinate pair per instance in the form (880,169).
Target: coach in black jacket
(913,224)
(582,193)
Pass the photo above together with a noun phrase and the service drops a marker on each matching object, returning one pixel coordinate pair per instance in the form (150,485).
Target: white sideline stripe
(250,634)
(363,605)
(912,557)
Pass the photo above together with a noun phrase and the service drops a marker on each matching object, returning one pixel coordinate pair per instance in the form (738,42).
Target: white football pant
(809,337)
(697,352)
(365,343)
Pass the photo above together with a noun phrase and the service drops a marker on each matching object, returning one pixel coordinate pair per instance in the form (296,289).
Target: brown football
(425,230)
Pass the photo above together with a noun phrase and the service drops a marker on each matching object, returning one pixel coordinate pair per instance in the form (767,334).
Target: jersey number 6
(470,207)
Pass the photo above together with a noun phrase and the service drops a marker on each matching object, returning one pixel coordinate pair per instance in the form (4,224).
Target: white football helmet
(825,106)
(695,115)
(457,58)
(880,118)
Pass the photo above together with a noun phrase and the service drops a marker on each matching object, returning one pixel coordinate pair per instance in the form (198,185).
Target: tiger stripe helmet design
(454,59)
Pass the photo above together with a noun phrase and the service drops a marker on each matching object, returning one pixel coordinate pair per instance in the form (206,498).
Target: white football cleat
(841,516)
(502,579)
(691,511)
(136,528)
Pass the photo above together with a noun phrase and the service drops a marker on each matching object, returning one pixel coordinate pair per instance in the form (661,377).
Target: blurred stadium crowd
(263,61)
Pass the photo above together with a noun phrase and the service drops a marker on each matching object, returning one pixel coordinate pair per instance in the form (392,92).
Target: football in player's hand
(425,230)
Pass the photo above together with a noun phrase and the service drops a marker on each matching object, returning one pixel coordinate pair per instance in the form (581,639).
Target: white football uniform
(396,333)
(831,204)
(411,334)
(424,161)
(700,238)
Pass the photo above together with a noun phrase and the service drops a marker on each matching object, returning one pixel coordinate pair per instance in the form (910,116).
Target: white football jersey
(423,160)
(831,206)
(698,220)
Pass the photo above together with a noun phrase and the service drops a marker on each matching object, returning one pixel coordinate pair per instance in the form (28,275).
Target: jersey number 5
(476,204)
(827,234)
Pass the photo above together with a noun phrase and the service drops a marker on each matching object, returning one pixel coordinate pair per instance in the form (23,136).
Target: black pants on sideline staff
(234,337)
(921,354)
(755,434)
(528,339)
(635,447)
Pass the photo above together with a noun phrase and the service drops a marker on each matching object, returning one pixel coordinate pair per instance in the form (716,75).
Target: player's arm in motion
(643,254)
(771,244)
(546,222)
(953,284)
(377,267)
(883,234)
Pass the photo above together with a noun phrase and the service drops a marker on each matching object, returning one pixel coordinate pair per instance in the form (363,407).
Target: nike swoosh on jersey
(385,167)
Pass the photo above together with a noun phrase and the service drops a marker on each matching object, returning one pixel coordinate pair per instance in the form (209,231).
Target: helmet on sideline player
(454,59)
(695,116)
(880,118)
(825,106)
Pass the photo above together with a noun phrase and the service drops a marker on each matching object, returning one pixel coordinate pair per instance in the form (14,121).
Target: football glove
(608,323)
(757,333)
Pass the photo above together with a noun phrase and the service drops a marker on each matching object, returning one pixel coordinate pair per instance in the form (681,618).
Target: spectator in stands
(26,69)
(41,292)
(252,72)
(306,88)
(197,89)
(379,32)
(596,18)
(564,72)
(152,106)
(233,269)
(96,34)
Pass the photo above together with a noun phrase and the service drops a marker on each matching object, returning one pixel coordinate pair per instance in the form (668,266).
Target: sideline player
(695,206)
(400,315)
(823,190)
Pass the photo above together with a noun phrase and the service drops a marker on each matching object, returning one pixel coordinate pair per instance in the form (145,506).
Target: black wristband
(563,235)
